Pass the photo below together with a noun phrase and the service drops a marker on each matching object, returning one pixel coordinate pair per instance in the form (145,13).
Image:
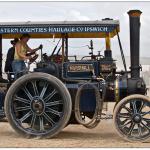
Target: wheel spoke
(50,95)
(25,116)
(134,107)
(146,119)
(20,99)
(23,108)
(27,93)
(33,120)
(131,128)
(142,106)
(41,123)
(139,130)
(54,111)
(44,90)
(124,115)
(48,119)
(145,126)
(53,103)
(35,88)
(124,121)
(124,125)
(128,109)
(145,113)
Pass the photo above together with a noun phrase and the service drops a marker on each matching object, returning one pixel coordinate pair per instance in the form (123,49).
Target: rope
(122,54)
(99,103)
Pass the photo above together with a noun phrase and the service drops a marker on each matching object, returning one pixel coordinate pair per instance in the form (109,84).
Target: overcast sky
(48,11)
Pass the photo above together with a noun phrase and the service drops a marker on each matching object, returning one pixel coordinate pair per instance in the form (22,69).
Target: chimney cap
(134,13)
(107,19)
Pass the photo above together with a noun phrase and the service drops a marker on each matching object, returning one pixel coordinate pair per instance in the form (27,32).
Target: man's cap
(14,41)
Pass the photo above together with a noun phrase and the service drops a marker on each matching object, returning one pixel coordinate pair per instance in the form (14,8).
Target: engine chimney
(134,16)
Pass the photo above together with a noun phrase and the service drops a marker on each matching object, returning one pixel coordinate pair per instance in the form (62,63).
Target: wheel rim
(37,106)
(133,119)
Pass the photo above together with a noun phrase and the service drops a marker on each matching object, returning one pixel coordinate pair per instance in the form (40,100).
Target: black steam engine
(60,92)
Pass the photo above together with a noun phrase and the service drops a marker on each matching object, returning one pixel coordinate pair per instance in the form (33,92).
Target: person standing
(9,59)
(21,50)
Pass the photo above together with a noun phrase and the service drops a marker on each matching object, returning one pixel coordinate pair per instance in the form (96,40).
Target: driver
(21,49)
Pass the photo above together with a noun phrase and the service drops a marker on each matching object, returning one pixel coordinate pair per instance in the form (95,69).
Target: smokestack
(134,16)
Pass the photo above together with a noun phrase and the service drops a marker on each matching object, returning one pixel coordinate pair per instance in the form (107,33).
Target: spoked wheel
(38,104)
(132,118)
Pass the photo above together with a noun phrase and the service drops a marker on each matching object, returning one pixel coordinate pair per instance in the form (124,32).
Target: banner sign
(54,29)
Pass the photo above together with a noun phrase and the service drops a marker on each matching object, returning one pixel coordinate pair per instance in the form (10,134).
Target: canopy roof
(73,29)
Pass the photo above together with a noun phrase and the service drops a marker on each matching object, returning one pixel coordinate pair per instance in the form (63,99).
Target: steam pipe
(134,17)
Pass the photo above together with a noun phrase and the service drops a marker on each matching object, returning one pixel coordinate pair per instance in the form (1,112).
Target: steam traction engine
(61,92)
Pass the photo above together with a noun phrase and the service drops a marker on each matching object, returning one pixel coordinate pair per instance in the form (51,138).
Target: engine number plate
(80,67)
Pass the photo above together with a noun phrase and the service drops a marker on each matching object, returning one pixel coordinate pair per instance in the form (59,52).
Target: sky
(60,11)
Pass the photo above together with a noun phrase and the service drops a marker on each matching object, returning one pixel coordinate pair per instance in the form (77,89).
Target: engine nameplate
(80,67)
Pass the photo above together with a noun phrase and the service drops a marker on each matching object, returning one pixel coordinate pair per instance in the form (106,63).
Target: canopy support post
(66,45)
(1,55)
(108,43)
(108,52)
(63,48)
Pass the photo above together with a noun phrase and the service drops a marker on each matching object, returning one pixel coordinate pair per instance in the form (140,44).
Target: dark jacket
(9,60)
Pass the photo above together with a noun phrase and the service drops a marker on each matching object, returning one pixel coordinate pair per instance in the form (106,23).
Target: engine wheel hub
(37,106)
(137,118)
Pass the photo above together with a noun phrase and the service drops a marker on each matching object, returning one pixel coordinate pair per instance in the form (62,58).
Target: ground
(72,136)
(104,135)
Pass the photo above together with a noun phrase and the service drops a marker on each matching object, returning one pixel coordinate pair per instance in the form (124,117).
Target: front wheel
(38,104)
(132,118)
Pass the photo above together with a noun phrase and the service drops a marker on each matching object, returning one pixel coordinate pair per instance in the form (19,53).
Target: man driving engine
(21,50)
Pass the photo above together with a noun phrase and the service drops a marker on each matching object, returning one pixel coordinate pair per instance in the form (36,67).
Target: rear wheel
(132,118)
(38,104)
